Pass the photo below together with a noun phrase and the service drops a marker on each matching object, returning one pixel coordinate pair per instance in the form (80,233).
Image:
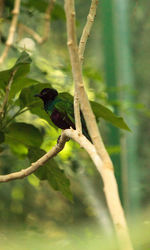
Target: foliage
(21,136)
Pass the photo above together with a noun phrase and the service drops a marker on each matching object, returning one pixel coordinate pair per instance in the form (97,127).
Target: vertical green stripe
(125,80)
(111,80)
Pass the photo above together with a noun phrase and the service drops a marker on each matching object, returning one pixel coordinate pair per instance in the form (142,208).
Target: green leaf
(23,59)
(50,171)
(19,84)
(101,111)
(2,137)
(22,65)
(25,134)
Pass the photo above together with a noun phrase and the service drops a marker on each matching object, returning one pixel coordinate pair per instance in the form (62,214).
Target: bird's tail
(84,128)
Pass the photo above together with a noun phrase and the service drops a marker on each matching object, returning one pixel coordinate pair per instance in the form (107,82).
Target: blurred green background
(116,73)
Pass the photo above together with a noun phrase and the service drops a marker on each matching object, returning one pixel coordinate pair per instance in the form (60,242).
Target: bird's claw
(68,139)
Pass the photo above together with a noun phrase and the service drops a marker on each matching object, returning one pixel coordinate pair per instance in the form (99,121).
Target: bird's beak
(37,95)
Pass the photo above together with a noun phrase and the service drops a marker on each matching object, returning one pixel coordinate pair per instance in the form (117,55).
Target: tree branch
(68,133)
(107,173)
(12,30)
(4,104)
(87,29)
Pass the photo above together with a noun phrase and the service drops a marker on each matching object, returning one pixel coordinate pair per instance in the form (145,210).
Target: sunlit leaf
(22,65)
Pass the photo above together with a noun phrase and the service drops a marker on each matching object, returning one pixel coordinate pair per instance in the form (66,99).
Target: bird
(60,108)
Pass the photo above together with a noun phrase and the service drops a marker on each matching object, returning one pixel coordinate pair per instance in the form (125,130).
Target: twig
(34,34)
(87,29)
(82,44)
(4,104)
(12,30)
(68,133)
(107,173)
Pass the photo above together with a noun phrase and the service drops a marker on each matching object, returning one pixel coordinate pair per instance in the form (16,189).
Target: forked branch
(107,173)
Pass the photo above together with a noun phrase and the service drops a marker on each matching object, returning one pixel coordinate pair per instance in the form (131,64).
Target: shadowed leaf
(50,171)
(23,133)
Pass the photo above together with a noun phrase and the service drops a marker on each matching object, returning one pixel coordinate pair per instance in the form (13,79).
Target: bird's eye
(44,92)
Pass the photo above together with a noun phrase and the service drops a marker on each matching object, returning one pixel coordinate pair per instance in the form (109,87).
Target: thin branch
(30,31)
(4,104)
(34,166)
(87,29)
(76,97)
(107,173)
(47,20)
(12,30)
(82,44)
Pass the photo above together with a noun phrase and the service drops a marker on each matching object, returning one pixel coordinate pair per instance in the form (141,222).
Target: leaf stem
(5,101)
(19,112)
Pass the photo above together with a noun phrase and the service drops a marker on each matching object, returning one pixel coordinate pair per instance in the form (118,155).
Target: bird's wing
(64,103)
